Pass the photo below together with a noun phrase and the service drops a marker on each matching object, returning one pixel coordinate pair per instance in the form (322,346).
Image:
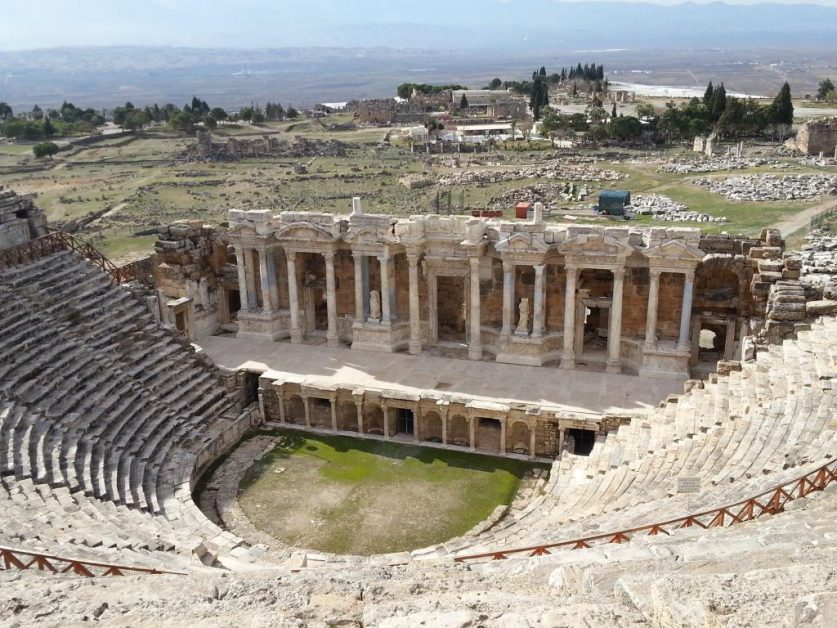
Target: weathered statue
(374,305)
(523,319)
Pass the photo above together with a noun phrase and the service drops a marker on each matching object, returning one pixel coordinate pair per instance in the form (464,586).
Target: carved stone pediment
(674,250)
(303,232)
(370,235)
(522,243)
(595,245)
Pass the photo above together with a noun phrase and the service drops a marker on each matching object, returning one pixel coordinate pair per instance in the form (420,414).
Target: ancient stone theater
(676,388)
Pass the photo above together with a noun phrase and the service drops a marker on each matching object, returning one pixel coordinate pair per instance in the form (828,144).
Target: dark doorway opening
(584,441)
(405,421)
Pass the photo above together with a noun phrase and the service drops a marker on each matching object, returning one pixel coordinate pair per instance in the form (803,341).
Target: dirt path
(800,220)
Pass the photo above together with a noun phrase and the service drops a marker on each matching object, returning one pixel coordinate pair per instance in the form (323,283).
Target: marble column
(307,411)
(729,341)
(614,332)
(386,313)
(331,300)
(415,313)
(359,406)
(532,443)
(686,311)
(472,428)
(360,291)
(502,436)
(272,279)
(444,429)
(568,355)
(416,422)
(651,314)
(385,411)
(250,273)
(539,308)
(293,297)
(508,297)
(242,278)
(475,344)
(264,276)
(333,402)
(281,408)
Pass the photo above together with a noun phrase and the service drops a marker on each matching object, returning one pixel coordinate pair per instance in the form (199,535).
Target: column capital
(413,259)
(358,255)
(655,272)
(689,275)
(384,259)
(290,255)
(618,273)
(571,268)
(539,268)
(474,261)
(328,255)
(508,266)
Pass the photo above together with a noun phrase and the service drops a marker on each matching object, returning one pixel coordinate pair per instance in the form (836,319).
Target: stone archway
(373,420)
(459,431)
(347,416)
(518,438)
(431,427)
(488,434)
(295,410)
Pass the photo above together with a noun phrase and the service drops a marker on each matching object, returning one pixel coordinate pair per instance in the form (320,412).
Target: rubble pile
(548,170)
(550,194)
(414,181)
(819,262)
(204,149)
(661,207)
(769,187)
(715,164)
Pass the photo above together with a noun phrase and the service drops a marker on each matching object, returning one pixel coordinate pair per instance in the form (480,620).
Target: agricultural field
(116,192)
(348,495)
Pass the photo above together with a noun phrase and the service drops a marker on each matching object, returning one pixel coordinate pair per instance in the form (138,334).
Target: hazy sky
(27,24)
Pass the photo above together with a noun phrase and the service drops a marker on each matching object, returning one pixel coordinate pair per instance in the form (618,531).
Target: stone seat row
(98,400)
(748,425)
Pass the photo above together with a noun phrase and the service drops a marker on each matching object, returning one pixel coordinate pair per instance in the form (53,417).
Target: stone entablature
(504,284)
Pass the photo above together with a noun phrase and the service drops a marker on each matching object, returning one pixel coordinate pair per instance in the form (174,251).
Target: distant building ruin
(204,149)
(818,136)
(20,220)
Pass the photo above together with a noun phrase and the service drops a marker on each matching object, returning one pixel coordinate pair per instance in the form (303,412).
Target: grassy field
(144,183)
(348,495)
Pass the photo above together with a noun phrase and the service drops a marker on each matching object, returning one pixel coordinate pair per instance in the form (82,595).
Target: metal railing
(769,502)
(12,558)
(56,241)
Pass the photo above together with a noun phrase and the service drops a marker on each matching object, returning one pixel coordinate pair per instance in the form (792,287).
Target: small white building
(480,133)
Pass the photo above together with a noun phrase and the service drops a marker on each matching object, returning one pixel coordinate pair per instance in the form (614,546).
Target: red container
(521,210)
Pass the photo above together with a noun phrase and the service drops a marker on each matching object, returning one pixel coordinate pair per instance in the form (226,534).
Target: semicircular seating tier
(737,435)
(104,416)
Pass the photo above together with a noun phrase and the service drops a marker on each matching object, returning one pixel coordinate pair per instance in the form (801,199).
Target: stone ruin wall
(818,136)
(20,219)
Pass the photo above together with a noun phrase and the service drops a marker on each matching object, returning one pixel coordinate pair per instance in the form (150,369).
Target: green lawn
(347,495)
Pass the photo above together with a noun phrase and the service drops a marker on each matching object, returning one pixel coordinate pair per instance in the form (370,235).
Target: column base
(296,337)
(567,362)
(415,347)
(263,323)
(475,352)
(332,341)
(613,366)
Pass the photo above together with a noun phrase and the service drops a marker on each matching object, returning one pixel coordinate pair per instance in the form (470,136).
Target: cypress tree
(613,113)
(719,102)
(783,106)
(708,96)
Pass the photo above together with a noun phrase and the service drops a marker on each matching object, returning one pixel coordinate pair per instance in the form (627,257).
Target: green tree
(495,84)
(258,116)
(210,123)
(5,111)
(46,149)
(613,111)
(463,102)
(218,113)
(246,114)
(134,120)
(181,121)
(645,110)
(826,87)
(782,107)
(719,102)
(49,128)
(708,96)
(625,128)
(37,113)
(291,113)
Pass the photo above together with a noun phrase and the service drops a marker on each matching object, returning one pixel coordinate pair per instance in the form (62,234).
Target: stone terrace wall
(20,219)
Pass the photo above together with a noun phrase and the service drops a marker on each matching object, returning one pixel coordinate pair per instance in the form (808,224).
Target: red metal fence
(56,241)
(768,503)
(11,558)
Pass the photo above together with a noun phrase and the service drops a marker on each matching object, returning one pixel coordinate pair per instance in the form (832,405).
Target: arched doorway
(373,420)
(517,439)
(459,432)
(431,427)
(295,410)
